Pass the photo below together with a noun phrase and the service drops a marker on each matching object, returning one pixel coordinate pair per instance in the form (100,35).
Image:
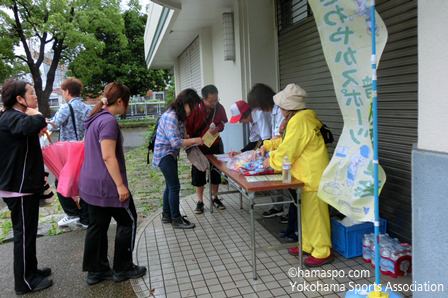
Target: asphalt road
(63,254)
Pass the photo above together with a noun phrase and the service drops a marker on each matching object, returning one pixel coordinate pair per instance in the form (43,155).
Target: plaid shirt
(63,120)
(170,133)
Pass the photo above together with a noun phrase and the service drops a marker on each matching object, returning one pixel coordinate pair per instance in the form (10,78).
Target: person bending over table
(261,97)
(260,124)
(302,142)
(169,139)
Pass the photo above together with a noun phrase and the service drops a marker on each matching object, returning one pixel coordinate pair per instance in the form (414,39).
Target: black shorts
(198,178)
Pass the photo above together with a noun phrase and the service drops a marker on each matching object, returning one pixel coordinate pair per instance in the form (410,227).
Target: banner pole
(375,144)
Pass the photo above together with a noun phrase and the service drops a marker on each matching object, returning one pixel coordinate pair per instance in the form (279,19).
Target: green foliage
(6,227)
(132,123)
(121,62)
(53,231)
(5,214)
(68,27)
(170,92)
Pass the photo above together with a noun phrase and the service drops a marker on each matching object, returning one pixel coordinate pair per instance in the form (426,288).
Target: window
(290,12)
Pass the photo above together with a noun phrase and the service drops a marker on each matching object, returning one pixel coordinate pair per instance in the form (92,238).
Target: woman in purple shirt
(103,185)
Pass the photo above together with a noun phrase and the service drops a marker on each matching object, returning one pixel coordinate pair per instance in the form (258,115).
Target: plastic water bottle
(286,170)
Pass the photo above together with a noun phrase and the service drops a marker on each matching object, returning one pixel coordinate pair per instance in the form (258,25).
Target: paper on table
(209,139)
(275,177)
(263,178)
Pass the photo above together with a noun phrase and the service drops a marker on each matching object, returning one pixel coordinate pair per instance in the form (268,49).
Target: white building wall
(206,54)
(227,78)
(433,75)
(261,42)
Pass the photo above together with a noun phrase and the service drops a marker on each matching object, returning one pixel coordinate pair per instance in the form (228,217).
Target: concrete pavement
(63,254)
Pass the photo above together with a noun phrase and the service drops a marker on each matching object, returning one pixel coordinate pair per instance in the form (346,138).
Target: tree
(67,27)
(124,64)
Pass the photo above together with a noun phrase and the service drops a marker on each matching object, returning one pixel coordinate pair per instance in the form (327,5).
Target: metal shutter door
(301,60)
(190,67)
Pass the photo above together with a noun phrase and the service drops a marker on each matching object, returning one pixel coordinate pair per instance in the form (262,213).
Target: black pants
(25,218)
(71,209)
(250,146)
(96,245)
(291,228)
(198,178)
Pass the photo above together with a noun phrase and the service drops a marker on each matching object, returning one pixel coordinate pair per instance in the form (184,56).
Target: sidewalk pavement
(63,254)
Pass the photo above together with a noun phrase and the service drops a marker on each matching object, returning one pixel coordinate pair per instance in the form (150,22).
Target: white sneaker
(68,220)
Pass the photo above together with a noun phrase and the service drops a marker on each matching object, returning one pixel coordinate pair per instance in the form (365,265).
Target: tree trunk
(42,97)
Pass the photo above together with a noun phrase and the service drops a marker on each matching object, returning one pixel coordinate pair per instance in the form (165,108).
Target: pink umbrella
(64,160)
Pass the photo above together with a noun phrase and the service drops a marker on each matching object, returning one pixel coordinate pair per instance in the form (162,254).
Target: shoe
(96,277)
(218,204)
(282,234)
(44,283)
(83,226)
(182,223)
(272,212)
(199,208)
(166,218)
(136,272)
(68,220)
(291,239)
(44,272)
(294,251)
(283,219)
(316,262)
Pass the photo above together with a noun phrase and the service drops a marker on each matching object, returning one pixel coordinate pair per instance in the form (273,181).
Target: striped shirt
(277,119)
(170,133)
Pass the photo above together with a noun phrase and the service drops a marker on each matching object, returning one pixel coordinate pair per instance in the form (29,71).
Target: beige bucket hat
(291,98)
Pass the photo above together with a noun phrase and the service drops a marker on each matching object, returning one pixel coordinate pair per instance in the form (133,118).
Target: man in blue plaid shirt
(71,129)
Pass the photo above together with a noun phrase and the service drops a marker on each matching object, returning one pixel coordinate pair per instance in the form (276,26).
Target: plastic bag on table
(248,165)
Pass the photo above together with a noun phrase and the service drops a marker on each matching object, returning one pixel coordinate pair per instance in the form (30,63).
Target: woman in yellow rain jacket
(303,144)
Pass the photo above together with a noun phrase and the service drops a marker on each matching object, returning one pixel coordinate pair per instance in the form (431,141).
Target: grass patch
(146,183)
(6,227)
(136,122)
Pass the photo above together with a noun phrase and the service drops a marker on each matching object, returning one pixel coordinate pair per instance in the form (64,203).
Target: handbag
(197,158)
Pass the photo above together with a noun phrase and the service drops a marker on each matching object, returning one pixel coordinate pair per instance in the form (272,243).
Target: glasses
(214,101)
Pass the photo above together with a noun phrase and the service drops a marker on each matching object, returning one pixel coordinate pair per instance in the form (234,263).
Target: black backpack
(326,134)
(152,140)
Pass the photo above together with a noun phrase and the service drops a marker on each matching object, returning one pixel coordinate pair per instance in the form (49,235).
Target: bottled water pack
(395,257)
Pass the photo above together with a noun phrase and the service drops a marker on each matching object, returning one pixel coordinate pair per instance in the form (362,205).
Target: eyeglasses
(213,102)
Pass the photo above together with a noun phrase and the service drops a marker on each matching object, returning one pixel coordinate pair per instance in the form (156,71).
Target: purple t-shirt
(96,186)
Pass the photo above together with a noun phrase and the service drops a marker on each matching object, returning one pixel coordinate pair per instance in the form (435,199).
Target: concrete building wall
(430,156)
(227,78)
(433,75)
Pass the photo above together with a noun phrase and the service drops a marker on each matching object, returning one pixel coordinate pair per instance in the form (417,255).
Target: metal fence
(135,109)
(143,109)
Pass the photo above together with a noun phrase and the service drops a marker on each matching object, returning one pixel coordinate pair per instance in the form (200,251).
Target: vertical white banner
(344,29)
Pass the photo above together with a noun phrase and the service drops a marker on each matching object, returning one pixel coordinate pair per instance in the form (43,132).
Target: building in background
(237,43)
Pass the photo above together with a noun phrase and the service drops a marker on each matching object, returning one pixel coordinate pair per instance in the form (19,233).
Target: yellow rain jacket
(305,148)
(308,155)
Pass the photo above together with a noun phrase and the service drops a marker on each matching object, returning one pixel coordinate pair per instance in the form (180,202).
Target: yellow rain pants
(306,150)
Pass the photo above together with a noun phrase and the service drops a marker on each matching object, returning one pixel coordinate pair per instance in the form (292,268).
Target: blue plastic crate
(348,240)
